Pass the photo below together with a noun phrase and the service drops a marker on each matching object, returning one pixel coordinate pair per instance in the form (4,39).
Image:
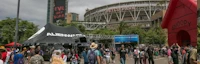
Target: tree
(154,35)
(7,27)
(78,26)
(198,36)
(122,26)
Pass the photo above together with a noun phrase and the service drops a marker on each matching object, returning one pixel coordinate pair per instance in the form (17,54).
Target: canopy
(52,34)
(12,44)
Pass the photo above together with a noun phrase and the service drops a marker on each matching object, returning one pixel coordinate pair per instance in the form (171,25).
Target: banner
(59,10)
(126,38)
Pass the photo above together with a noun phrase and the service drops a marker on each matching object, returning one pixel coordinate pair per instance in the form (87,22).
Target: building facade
(72,17)
(136,12)
(53,14)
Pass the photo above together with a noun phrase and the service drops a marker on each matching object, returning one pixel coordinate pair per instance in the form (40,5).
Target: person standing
(123,54)
(3,55)
(18,58)
(94,54)
(150,55)
(107,55)
(113,55)
(37,58)
(56,57)
(170,61)
(84,54)
(175,55)
(1,61)
(8,56)
(136,55)
(31,52)
(184,55)
(142,56)
(193,57)
(41,51)
(74,59)
(64,57)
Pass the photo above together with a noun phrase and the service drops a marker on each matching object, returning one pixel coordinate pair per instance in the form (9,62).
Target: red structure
(12,44)
(181,22)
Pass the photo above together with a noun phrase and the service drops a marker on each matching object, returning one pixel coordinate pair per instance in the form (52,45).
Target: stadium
(137,12)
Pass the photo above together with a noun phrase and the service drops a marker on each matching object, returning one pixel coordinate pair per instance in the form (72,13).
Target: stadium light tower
(16,26)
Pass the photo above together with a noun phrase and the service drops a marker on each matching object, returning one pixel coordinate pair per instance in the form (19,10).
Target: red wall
(183,18)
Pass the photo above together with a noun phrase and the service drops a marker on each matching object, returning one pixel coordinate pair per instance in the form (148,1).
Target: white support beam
(138,14)
(123,16)
(131,15)
(147,14)
(117,16)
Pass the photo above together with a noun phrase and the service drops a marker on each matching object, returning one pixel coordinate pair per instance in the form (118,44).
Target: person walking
(94,54)
(37,58)
(84,54)
(123,54)
(1,61)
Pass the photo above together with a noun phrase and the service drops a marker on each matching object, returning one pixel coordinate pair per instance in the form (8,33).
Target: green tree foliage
(104,31)
(154,35)
(122,26)
(7,27)
(78,26)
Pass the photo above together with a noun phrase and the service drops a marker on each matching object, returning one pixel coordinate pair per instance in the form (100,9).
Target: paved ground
(159,60)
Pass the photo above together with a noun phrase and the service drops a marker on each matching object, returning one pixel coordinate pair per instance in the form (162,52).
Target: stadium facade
(138,12)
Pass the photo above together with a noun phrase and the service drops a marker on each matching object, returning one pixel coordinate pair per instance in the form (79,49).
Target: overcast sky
(36,10)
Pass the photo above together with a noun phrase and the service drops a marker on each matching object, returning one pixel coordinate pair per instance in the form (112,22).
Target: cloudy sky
(36,10)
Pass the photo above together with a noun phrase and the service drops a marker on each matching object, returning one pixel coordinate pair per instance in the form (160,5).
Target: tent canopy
(52,34)
(12,44)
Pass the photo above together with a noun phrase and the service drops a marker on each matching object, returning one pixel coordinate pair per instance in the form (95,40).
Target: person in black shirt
(150,55)
(123,54)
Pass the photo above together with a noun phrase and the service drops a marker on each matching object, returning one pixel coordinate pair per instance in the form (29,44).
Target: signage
(126,38)
(59,10)
(181,23)
(64,35)
(121,9)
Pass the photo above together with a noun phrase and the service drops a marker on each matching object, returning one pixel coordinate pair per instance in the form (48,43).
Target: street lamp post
(17,21)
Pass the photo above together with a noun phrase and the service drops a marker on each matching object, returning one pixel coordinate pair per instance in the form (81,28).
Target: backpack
(20,61)
(92,57)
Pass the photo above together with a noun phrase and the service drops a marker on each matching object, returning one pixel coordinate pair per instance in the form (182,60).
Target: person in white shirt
(136,55)
(64,57)
(8,55)
(107,56)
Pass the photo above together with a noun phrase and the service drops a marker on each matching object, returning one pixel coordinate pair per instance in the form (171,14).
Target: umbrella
(12,44)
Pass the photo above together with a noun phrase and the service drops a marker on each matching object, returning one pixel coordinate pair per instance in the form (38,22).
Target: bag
(20,61)
(92,57)
(142,54)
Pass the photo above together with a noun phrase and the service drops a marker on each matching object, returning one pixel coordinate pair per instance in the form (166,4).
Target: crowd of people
(95,54)
(23,56)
